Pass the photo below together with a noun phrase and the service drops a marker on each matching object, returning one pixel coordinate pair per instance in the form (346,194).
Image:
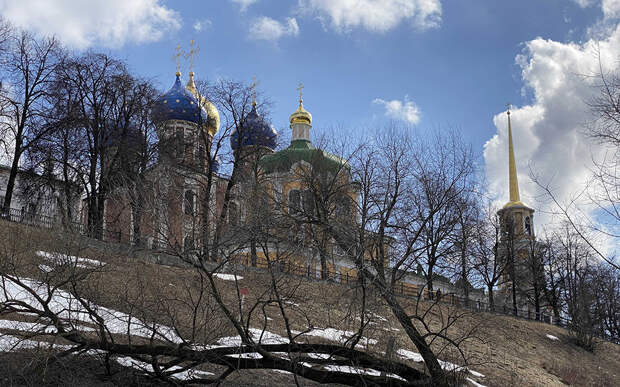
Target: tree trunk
(253,257)
(491,299)
(6,206)
(437,374)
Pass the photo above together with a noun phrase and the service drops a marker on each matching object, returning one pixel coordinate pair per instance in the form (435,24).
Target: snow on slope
(67,307)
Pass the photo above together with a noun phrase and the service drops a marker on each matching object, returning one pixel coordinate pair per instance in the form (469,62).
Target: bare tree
(393,179)
(29,68)
(106,113)
(487,263)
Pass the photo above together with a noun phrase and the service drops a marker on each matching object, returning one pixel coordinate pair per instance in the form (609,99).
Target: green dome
(299,150)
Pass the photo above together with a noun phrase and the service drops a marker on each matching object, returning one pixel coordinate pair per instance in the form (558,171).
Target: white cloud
(584,3)
(200,25)
(244,4)
(266,28)
(375,15)
(548,133)
(84,23)
(610,8)
(405,110)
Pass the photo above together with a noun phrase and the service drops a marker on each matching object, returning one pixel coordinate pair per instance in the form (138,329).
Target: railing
(45,221)
(401,289)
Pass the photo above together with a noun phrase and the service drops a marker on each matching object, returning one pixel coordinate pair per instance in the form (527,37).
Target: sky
(426,63)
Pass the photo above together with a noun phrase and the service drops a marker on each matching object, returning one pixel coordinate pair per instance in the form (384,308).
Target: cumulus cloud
(375,15)
(84,23)
(200,25)
(405,110)
(548,133)
(266,28)
(244,4)
(610,8)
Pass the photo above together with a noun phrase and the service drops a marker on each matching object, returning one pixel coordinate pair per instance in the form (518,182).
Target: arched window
(299,201)
(233,214)
(528,225)
(294,201)
(343,207)
(189,202)
(188,243)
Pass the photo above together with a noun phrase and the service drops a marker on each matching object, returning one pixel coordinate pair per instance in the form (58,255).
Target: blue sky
(458,74)
(426,63)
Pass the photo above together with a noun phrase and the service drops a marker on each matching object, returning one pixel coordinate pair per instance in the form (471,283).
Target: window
(190,202)
(343,207)
(188,243)
(528,225)
(201,155)
(299,201)
(178,142)
(233,214)
(294,201)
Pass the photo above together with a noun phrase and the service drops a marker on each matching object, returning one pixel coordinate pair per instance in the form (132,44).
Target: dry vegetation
(506,350)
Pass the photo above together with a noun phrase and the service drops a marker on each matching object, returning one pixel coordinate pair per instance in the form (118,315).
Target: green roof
(299,150)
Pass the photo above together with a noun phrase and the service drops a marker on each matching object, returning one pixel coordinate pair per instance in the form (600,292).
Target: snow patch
(476,384)
(337,335)
(142,366)
(36,327)
(447,366)
(10,343)
(63,259)
(66,306)
(228,277)
(249,355)
(551,337)
(258,335)
(359,371)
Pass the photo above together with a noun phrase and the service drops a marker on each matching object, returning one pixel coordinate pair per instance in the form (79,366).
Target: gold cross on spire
(194,49)
(177,58)
(300,88)
(253,87)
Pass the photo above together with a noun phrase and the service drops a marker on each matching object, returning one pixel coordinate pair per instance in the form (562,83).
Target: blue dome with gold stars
(254,131)
(179,104)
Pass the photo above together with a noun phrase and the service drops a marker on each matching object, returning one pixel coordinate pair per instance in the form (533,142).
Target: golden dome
(213,116)
(301,116)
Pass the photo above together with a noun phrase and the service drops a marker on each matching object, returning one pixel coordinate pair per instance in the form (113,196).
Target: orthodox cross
(300,88)
(177,57)
(194,49)
(253,87)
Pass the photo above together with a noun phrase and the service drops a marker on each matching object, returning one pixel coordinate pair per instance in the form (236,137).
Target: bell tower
(516,218)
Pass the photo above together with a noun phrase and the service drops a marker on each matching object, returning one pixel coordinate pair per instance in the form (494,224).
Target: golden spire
(512,168)
(253,87)
(177,58)
(301,115)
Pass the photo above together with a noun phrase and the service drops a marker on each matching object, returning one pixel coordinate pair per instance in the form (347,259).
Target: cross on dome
(177,58)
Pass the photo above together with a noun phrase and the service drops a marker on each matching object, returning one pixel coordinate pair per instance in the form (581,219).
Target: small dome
(255,131)
(179,104)
(301,116)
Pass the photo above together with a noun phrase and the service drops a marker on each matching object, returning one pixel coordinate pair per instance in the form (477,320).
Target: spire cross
(300,88)
(508,106)
(253,87)
(194,49)
(177,57)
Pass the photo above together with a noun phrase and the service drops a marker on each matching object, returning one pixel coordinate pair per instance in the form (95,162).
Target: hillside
(500,350)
